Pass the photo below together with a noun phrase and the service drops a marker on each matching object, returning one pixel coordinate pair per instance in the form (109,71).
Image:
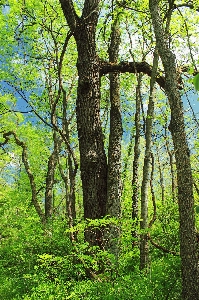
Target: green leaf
(197,209)
(196,82)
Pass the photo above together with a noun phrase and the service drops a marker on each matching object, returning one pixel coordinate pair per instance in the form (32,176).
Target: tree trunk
(172,168)
(52,162)
(135,180)
(70,178)
(188,252)
(113,207)
(93,162)
(146,169)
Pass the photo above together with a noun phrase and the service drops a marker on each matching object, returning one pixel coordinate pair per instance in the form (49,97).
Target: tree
(146,167)
(43,100)
(106,69)
(113,206)
(91,144)
(188,246)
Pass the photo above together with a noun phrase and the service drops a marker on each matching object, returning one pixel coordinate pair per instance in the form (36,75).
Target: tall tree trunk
(161,176)
(188,253)
(93,162)
(146,169)
(113,207)
(172,169)
(69,178)
(135,180)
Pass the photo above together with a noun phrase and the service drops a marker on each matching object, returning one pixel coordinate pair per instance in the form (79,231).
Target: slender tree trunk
(146,169)
(152,192)
(173,175)
(71,199)
(113,207)
(53,158)
(135,180)
(50,178)
(69,183)
(161,177)
(70,178)
(188,252)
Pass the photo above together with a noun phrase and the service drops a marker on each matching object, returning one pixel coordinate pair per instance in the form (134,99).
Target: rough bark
(113,207)
(188,252)
(93,162)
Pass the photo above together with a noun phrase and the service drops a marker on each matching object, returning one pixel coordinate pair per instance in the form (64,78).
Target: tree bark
(113,207)
(135,180)
(146,169)
(188,248)
(50,179)
(70,178)
(172,169)
(93,162)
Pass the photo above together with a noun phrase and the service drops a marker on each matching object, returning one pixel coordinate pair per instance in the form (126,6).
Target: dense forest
(99,182)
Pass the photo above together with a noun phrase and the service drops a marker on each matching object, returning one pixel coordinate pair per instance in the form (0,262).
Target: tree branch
(140,67)
(131,67)
(69,13)
(187,5)
(165,250)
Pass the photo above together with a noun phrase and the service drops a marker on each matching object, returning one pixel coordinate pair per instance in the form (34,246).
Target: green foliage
(44,281)
(197,209)
(42,263)
(36,265)
(196,82)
